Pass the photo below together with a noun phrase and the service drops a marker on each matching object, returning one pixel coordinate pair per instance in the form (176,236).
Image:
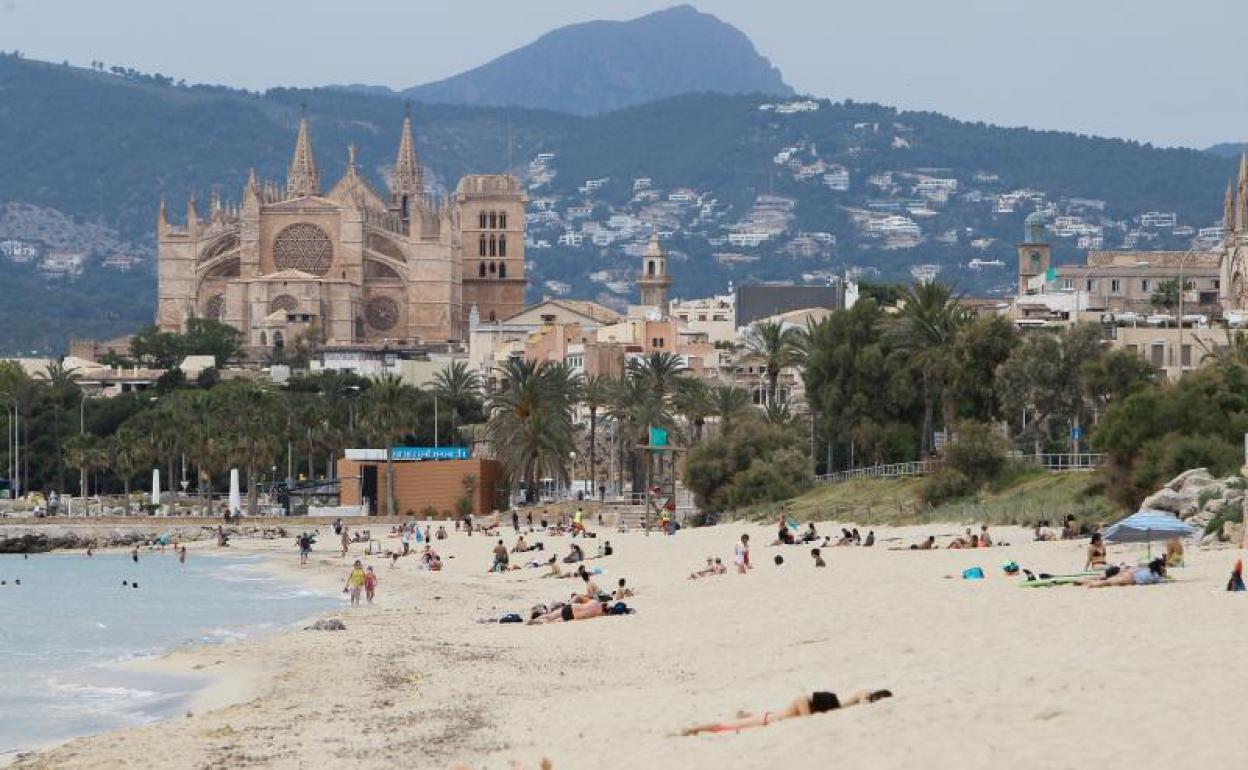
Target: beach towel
(972,573)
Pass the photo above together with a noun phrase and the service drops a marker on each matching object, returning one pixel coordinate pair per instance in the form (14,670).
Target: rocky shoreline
(42,538)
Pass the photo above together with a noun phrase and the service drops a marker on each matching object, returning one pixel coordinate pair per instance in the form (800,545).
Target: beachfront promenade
(986,674)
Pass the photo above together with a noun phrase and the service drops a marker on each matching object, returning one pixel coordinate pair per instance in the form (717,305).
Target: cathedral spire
(406,183)
(302,178)
(1228,209)
(1241,203)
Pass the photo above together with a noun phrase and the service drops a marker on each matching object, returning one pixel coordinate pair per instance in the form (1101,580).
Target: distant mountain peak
(598,66)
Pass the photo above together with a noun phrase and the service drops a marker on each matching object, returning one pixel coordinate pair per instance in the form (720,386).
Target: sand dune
(986,674)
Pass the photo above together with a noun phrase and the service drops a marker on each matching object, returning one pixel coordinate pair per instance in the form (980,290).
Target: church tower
(654,282)
(407,186)
(302,177)
(1033,252)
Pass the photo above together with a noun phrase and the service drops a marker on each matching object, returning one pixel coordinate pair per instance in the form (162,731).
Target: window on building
(493,316)
(1133,349)
(684,316)
(650,267)
(719,317)
(493,247)
(502,220)
(1185,356)
(1068,283)
(493,268)
(1208,297)
(1115,286)
(548,318)
(483,220)
(701,316)
(1144,284)
(1158,357)
(1217,283)
(481,270)
(502,245)
(502,270)
(493,220)
(1090,286)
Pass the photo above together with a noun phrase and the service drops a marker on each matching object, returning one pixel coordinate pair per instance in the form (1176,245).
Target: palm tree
(457,386)
(729,402)
(63,388)
(777,346)
(530,424)
(926,330)
(253,419)
(595,392)
(85,452)
(694,400)
(127,455)
(389,411)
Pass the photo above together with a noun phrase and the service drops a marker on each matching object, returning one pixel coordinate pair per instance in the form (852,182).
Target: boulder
(329,624)
(1196,478)
(1232,532)
(1168,499)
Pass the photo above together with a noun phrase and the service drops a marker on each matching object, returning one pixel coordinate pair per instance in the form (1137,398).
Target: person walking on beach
(346,540)
(370,584)
(741,557)
(134,554)
(181,554)
(515,520)
(305,548)
(355,583)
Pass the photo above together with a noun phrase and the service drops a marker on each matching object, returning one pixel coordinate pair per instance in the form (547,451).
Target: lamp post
(1181,287)
(82,430)
(14,445)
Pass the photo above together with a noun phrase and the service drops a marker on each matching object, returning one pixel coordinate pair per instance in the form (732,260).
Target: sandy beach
(986,674)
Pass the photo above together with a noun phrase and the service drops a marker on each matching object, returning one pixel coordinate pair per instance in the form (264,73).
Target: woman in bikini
(573,612)
(815,703)
(1096,554)
(1152,574)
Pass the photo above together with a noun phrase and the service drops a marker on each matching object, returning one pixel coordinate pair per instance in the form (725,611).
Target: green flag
(658,436)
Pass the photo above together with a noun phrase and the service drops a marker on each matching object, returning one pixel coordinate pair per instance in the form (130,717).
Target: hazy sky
(1164,71)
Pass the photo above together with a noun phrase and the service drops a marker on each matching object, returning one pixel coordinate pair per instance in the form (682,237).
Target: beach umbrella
(236,497)
(1148,525)
(155,486)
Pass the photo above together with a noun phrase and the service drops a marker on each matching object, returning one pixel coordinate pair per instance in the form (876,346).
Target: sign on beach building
(410,453)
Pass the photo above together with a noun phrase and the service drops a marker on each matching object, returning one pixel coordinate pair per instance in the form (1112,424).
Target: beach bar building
(424,478)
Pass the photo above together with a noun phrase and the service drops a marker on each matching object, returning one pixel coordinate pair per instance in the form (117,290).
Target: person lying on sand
(1042,535)
(1096,553)
(1149,575)
(815,703)
(581,612)
(926,545)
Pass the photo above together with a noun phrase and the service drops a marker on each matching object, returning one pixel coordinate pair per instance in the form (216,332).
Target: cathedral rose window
(285,303)
(303,247)
(382,313)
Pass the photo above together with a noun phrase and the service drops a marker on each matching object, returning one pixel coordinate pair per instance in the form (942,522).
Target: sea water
(68,630)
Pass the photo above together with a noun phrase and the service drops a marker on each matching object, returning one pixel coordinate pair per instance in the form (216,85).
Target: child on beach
(355,583)
(819,562)
(370,584)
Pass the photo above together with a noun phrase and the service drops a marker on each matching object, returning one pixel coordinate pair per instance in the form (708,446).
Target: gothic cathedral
(348,266)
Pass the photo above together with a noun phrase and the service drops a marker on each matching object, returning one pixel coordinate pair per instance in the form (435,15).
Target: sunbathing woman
(1096,553)
(815,703)
(573,612)
(1152,574)
(709,569)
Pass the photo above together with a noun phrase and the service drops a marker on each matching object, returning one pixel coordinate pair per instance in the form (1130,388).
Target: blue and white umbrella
(1146,526)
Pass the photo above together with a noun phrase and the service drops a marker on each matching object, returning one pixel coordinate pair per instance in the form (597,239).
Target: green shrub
(1232,513)
(977,452)
(944,485)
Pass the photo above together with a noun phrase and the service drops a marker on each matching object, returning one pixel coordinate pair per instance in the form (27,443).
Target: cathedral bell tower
(1033,253)
(654,283)
(407,186)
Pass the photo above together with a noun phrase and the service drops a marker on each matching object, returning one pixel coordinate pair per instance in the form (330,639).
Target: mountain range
(824,188)
(599,66)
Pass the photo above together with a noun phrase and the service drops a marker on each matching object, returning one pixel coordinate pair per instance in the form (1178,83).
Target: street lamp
(1182,264)
(14,448)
